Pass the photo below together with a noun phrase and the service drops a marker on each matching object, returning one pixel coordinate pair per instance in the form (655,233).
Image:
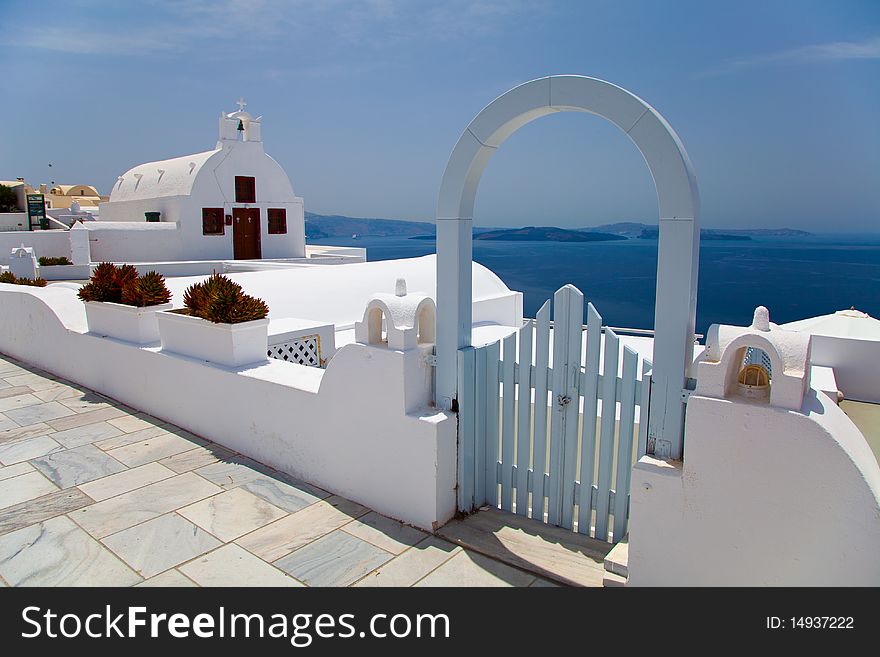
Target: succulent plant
(7,277)
(123,285)
(221,300)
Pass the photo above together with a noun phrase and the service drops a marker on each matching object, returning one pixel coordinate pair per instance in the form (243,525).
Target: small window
(212,221)
(277,221)
(245,189)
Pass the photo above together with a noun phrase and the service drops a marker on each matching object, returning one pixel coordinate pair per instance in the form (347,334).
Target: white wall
(855,364)
(13,221)
(51,243)
(361,428)
(765,496)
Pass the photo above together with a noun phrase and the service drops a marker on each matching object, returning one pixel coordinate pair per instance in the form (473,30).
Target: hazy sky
(778,103)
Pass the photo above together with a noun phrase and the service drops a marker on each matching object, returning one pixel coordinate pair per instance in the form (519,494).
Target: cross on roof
(241,104)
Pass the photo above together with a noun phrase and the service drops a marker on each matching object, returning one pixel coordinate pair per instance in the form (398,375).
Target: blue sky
(777,102)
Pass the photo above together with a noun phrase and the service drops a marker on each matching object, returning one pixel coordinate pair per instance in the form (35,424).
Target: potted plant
(9,277)
(220,323)
(120,304)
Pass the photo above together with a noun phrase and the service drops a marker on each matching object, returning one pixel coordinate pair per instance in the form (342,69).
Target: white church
(232,202)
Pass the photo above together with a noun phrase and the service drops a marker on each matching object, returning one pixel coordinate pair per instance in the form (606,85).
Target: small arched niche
(376,323)
(755,374)
(426,324)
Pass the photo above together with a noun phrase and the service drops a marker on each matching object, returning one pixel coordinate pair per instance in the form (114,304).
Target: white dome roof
(172,177)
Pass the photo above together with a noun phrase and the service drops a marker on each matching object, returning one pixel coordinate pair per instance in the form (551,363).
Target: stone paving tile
(42,412)
(89,401)
(116,484)
(161,543)
(282,537)
(86,434)
(131,423)
(412,565)
(34,380)
(25,449)
(337,559)
(15,391)
(281,494)
(232,565)
(124,439)
(80,465)
(540,582)
(19,433)
(151,449)
(6,423)
(23,488)
(58,553)
(14,470)
(472,569)
(42,508)
(197,458)
(169,579)
(390,535)
(136,506)
(20,400)
(81,419)
(235,472)
(59,392)
(232,514)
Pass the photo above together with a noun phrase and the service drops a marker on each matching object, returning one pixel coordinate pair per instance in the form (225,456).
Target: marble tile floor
(93,493)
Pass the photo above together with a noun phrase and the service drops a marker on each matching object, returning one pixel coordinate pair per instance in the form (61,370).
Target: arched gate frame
(679,241)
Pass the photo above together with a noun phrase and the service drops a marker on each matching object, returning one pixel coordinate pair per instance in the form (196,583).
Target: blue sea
(794,277)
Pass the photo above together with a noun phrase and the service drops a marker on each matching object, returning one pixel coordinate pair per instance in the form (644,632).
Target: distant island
(637,230)
(535,234)
(319,226)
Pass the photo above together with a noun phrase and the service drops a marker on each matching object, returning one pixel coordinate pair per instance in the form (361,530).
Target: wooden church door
(246,233)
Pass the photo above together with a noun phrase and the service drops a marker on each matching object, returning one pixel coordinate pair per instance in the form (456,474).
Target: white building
(232,202)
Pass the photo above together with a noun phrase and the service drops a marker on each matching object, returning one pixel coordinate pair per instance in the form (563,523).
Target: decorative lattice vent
(305,350)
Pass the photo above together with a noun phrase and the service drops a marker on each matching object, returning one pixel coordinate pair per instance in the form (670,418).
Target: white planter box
(131,323)
(231,345)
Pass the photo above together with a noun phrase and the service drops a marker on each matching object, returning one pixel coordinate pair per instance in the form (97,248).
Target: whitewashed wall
(770,493)
(52,243)
(361,429)
(855,364)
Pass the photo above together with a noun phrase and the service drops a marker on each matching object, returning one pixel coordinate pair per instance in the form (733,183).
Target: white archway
(679,242)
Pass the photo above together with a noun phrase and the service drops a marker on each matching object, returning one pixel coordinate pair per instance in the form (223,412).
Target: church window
(212,221)
(277,221)
(245,189)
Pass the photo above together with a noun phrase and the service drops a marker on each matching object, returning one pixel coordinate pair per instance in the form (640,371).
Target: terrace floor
(94,493)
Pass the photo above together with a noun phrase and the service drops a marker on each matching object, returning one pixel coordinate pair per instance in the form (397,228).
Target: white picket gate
(553,439)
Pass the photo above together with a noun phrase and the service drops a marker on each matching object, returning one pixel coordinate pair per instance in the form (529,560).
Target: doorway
(246,233)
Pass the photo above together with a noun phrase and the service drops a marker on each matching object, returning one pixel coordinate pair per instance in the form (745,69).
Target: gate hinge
(431,360)
(689,387)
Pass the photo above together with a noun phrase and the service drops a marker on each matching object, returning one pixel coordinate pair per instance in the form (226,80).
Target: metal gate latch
(563,400)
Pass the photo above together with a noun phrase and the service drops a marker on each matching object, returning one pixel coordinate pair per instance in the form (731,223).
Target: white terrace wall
(52,243)
(362,428)
(855,365)
(770,492)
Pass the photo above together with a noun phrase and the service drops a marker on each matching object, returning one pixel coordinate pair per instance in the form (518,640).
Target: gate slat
(561,328)
(493,356)
(524,420)
(625,441)
(606,438)
(647,366)
(590,394)
(480,420)
(539,455)
(507,419)
(573,345)
(466,428)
